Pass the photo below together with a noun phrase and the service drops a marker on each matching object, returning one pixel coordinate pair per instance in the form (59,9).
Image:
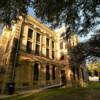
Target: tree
(80,15)
(11,9)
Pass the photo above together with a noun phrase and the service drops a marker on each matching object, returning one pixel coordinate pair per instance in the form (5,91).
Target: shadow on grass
(92,92)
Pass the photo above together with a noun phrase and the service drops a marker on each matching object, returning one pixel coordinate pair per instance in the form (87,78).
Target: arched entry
(63,77)
(36,71)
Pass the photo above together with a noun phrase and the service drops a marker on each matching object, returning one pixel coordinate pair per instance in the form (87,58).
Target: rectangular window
(47,53)
(37,49)
(62,56)
(53,73)
(47,42)
(29,47)
(52,54)
(37,37)
(52,44)
(30,31)
(47,73)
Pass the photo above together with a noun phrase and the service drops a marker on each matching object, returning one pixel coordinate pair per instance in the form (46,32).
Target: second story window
(47,42)
(37,50)
(53,49)
(53,54)
(52,44)
(47,47)
(62,56)
(29,47)
(37,37)
(47,53)
(30,31)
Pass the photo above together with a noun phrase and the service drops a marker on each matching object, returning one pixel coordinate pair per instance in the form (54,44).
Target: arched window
(47,73)
(36,71)
(53,73)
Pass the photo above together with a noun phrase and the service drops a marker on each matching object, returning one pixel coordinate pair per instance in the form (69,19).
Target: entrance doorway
(63,77)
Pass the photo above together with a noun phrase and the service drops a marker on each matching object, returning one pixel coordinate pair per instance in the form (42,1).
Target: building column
(43,45)
(24,38)
(57,74)
(50,48)
(42,75)
(34,42)
(50,71)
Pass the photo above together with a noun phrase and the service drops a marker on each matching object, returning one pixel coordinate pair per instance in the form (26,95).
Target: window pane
(30,33)
(52,54)
(29,47)
(36,72)
(47,53)
(37,37)
(53,72)
(47,73)
(53,44)
(47,42)
(37,49)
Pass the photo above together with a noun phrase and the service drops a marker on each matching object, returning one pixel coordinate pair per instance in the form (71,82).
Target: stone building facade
(76,72)
(31,56)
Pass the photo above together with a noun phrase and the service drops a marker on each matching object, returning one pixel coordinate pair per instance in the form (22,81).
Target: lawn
(92,92)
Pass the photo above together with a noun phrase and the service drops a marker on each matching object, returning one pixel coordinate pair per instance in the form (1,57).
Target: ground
(92,92)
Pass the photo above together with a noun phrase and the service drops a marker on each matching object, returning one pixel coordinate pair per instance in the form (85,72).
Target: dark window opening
(52,54)
(52,44)
(29,47)
(53,73)
(36,72)
(47,42)
(30,31)
(47,53)
(37,49)
(62,56)
(37,37)
(47,73)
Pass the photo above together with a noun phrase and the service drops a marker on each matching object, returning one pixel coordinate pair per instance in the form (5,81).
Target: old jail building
(31,57)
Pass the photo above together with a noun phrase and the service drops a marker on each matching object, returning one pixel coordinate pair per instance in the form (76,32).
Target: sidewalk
(28,92)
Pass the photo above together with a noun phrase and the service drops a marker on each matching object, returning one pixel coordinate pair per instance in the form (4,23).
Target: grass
(92,92)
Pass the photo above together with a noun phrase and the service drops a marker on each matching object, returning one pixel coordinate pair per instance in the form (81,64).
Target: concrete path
(26,93)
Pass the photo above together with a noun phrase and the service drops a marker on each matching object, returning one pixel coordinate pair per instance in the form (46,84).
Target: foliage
(11,9)
(80,15)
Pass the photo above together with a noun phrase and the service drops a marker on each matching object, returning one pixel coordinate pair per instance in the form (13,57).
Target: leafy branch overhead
(11,9)
(80,15)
